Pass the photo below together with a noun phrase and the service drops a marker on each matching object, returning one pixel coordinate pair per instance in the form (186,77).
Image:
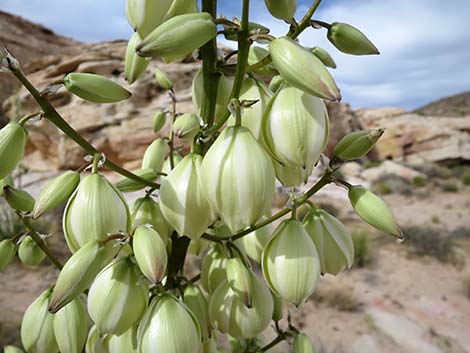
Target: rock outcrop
(29,42)
(416,139)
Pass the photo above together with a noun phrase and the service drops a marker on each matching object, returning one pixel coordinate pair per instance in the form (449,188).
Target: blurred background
(408,297)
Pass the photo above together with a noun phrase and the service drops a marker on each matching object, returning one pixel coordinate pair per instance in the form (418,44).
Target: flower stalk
(54,117)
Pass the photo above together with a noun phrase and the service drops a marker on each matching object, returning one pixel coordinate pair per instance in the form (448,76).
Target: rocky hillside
(453,106)
(29,42)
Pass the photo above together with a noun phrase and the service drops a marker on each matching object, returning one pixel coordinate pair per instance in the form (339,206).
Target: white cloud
(423,44)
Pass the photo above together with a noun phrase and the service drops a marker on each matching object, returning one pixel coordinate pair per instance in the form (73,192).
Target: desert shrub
(466,287)
(362,253)
(392,183)
(449,186)
(435,219)
(338,296)
(427,241)
(371,164)
(434,171)
(419,181)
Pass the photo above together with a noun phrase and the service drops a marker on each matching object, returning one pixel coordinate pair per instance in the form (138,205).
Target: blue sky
(424,44)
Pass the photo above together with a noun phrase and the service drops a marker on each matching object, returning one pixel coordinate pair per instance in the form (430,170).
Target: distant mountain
(452,106)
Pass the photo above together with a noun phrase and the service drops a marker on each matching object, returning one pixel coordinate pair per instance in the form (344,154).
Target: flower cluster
(126,273)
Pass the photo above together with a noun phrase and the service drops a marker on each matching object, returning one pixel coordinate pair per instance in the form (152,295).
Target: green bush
(419,181)
(427,241)
(362,254)
(449,186)
(392,183)
(466,287)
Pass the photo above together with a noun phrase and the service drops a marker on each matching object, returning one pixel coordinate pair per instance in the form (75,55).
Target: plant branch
(280,337)
(305,22)
(54,117)
(172,134)
(242,59)
(210,73)
(40,242)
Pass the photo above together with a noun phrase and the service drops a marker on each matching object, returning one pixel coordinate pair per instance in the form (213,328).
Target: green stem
(28,117)
(172,134)
(324,180)
(96,161)
(210,73)
(35,236)
(281,337)
(242,59)
(293,33)
(54,117)
(305,22)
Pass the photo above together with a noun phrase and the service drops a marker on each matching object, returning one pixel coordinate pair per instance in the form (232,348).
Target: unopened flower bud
(147,211)
(350,40)
(237,166)
(324,57)
(71,327)
(373,210)
(37,333)
(150,253)
(197,303)
(146,15)
(182,203)
(7,253)
(96,209)
(125,343)
(198,246)
(166,168)
(167,324)
(78,273)
(213,268)
(255,242)
(224,88)
(18,199)
(276,83)
(257,54)
(357,144)
(253,90)
(95,88)
(332,241)
(302,344)
(163,80)
(302,69)
(134,65)
(56,192)
(291,266)
(186,126)
(7,181)
(12,349)
(229,313)
(282,9)
(131,185)
(96,343)
(12,144)
(30,253)
(159,120)
(295,131)
(177,37)
(116,300)
(239,278)
(155,154)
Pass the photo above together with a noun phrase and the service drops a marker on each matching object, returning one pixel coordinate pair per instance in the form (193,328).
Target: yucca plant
(129,261)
